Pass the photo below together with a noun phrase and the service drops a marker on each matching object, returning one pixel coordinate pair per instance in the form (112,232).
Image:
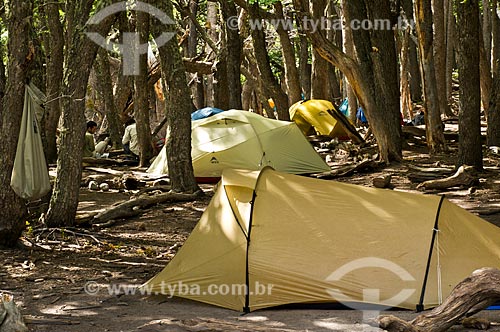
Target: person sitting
(89,144)
(129,141)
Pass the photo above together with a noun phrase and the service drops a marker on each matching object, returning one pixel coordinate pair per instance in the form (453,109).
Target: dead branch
(464,177)
(133,206)
(475,293)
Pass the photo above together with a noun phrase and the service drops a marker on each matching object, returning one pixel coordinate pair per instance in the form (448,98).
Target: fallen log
(133,207)
(473,294)
(464,177)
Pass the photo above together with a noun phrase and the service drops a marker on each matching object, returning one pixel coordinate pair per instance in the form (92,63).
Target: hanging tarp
(30,176)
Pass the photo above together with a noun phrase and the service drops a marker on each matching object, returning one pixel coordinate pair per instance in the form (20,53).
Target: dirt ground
(50,281)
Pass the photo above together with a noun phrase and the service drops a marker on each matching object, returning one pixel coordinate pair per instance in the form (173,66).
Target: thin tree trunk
(141,93)
(469,152)
(440,55)
(349,50)
(197,89)
(178,111)
(105,84)
(291,71)
(271,86)
(212,33)
(450,50)
(11,109)
(434,126)
(234,51)
(54,46)
(415,74)
(494,107)
(320,87)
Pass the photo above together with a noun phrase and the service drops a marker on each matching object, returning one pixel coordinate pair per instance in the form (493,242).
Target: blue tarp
(205,113)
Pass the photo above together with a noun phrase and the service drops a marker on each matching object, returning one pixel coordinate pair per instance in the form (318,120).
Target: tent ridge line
(435,230)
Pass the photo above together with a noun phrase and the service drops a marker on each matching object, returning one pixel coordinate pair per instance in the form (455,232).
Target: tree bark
(320,87)
(494,107)
(469,152)
(141,93)
(349,50)
(414,68)
(450,50)
(271,86)
(476,292)
(291,71)
(80,54)
(105,84)
(440,55)
(178,111)
(54,45)
(11,109)
(434,126)
(234,55)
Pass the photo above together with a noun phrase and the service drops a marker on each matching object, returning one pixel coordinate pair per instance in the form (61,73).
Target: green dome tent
(245,140)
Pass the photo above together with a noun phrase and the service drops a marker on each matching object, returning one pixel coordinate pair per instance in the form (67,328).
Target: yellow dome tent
(312,117)
(245,140)
(292,239)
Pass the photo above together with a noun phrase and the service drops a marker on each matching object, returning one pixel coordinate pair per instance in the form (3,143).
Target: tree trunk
(450,50)
(469,152)
(11,109)
(485,75)
(494,107)
(178,111)
(234,54)
(123,86)
(375,83)
(291,72)
(105,84)
(440,55)
(81,52)
(197,89)
(434,126)
(305,70)
(271,86)
(54,45)
(320,87)
(212,33)
(376,52)
(141,93)
(414,68)
(349,50)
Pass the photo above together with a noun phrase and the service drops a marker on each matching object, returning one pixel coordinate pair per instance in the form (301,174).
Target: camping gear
(313,117)
(245,140)
(292,239)
(30,176)
(205,113)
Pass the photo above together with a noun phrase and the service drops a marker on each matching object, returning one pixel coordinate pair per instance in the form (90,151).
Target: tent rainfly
(290,239)
(245,140)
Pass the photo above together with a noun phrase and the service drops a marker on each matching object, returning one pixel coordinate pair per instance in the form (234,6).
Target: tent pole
(246,309)
(420,305)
